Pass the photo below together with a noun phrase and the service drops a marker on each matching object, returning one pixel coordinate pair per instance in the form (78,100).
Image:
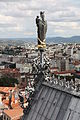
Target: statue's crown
(42,12)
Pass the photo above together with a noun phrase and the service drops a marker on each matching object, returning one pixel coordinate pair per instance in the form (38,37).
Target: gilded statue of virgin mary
(41,30)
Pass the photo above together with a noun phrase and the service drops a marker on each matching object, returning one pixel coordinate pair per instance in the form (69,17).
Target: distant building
(14,114)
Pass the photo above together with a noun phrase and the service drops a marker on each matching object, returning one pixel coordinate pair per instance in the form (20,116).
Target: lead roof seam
(52,101)
(37,103)
(46,103)
(69,98)
(79,117)
(68,115)
(33,109)
(56,103)
(60,106)
(74,111)
(41,104)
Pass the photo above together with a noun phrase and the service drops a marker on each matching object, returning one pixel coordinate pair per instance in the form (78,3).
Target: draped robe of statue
(41,30)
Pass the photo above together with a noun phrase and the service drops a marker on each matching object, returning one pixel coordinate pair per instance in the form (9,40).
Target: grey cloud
(65,20)
(12,0)
(7,25)
(23,13)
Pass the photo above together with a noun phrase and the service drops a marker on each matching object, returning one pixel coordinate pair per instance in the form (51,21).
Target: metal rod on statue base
(41,58)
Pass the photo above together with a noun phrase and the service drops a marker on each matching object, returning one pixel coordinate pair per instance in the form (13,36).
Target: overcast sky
(17,17)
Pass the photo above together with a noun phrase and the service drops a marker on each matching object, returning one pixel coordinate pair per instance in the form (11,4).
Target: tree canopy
(8,82)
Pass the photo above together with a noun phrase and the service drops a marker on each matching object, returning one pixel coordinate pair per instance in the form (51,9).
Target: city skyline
(17,18)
